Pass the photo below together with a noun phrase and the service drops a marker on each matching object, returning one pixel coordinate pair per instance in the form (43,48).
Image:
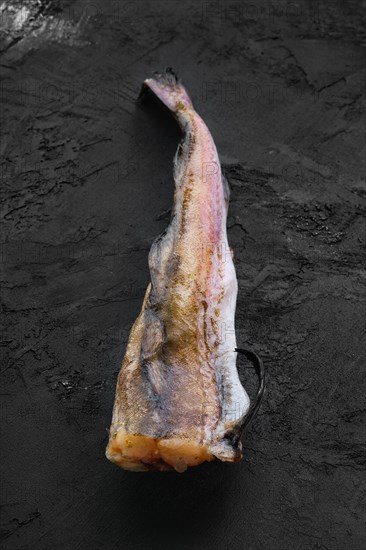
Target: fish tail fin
(168,88)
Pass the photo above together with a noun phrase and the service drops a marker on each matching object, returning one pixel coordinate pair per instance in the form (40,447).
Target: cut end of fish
(140,453)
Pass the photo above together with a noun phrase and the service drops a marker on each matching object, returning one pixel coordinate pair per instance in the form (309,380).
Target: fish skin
(179,400)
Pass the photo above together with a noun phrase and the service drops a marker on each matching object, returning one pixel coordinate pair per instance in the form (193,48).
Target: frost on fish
(179,400)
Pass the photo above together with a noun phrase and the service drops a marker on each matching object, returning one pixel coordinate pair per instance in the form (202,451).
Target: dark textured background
(87,186)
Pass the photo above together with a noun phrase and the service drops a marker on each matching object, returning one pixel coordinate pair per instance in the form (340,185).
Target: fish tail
(168,88)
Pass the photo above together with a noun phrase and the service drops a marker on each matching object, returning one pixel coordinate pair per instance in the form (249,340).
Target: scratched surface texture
(87,186)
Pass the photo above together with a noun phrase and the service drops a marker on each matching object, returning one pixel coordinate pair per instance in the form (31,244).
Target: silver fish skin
(179,400)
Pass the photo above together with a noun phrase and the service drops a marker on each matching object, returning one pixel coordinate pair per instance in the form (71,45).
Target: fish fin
(168,88)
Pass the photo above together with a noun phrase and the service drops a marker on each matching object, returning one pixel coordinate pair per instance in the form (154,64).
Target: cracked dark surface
(87,186)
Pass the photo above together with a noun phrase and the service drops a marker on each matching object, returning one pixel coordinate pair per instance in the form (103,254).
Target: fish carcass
(179,400)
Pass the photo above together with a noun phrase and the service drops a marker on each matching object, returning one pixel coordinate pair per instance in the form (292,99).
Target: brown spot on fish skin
(179,106)
(215,329)
(187,195)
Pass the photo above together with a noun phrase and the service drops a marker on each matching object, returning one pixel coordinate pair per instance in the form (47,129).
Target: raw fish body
(179,400)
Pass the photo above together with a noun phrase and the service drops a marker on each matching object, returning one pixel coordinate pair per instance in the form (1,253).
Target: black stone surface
(87,186)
